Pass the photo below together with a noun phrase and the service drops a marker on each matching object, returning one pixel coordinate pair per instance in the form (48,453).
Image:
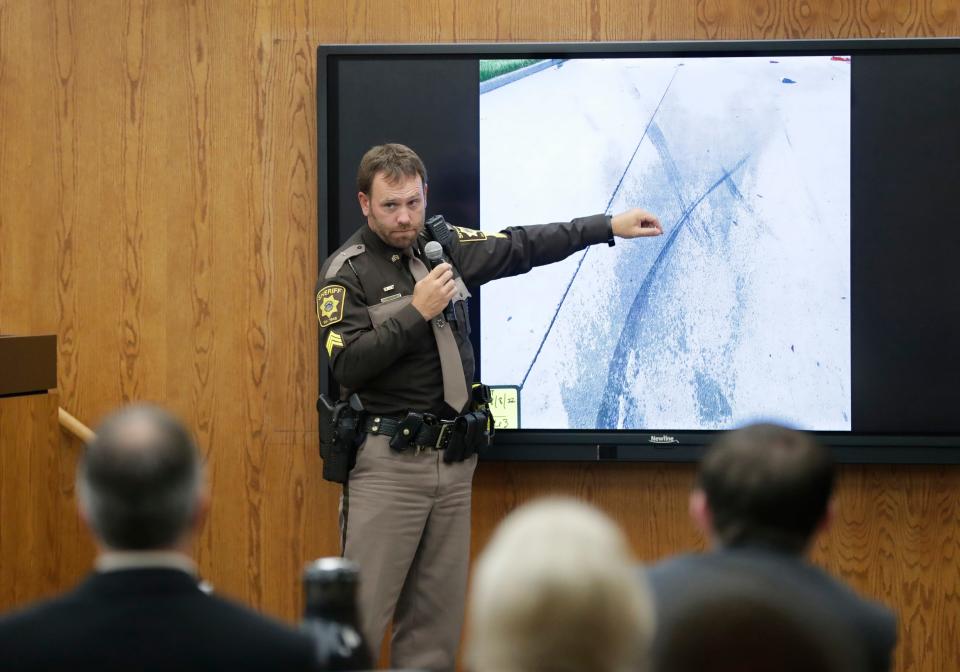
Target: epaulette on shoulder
(337,261)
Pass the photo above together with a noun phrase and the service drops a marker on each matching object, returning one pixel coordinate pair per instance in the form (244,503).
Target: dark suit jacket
(147,619)
(675,580)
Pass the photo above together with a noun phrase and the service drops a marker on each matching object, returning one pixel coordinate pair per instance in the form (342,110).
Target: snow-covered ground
(740,310)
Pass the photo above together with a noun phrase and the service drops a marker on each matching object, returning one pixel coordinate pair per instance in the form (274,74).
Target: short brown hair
(393,160)
(767,484)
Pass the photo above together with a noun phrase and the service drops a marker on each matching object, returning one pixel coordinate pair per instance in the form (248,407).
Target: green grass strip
(501,66)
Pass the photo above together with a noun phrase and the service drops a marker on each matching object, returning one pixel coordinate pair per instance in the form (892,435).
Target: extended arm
(483,257)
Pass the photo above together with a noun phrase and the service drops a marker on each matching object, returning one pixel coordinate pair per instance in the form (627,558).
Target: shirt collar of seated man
(113,561)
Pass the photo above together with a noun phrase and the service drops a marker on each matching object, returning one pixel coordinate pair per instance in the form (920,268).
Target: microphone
(434,252)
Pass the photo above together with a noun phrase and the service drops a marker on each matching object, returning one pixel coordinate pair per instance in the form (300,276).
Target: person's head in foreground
(744,626)
(765,485)
(557,590)
(140,482)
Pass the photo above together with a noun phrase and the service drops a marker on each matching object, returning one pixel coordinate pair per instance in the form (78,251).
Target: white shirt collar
(111,561)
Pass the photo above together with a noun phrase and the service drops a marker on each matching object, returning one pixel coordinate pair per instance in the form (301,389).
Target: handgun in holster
(339,433)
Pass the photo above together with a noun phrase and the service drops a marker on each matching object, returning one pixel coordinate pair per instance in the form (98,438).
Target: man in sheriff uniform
(395,329)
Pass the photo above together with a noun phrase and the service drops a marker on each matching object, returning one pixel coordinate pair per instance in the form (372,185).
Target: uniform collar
(374,245)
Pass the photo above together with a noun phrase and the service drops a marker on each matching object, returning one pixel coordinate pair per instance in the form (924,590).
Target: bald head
(140,480)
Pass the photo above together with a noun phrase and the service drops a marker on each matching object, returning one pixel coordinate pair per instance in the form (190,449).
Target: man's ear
(700,512)
(829,514)
(424,196)
(202,508)
(365,203)
(83,514)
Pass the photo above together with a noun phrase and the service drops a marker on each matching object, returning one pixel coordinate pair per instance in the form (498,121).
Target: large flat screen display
(747,161)
(806,270)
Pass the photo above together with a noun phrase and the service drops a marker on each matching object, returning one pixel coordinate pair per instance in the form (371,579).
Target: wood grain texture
(896,538)
(43,545)
(648,501)
(811,19)
(157,211)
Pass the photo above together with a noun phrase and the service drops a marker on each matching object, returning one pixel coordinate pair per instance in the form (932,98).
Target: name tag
(392,297)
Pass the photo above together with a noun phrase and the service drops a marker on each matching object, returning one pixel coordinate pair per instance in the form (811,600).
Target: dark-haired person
(141,489)
(732,625)
(406,510)
(763,493)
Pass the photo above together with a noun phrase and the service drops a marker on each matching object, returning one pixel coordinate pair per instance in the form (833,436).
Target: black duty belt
(421,431)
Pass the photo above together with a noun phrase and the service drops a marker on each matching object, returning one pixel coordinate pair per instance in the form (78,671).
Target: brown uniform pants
(405,519)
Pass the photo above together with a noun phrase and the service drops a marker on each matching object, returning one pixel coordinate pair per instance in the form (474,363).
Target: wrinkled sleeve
(485,257)
(357,350)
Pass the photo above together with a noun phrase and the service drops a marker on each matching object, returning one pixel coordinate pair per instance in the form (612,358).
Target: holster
(339,434)
(473,431)
(406,431)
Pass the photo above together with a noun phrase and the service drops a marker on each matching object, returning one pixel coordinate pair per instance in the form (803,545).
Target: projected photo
(741,310)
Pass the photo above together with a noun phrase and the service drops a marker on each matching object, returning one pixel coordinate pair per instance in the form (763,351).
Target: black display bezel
(629,445)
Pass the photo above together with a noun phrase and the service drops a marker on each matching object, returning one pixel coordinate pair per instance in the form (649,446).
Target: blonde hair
(557,590)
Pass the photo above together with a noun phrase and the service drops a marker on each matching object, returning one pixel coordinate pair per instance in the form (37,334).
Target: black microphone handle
(449,314)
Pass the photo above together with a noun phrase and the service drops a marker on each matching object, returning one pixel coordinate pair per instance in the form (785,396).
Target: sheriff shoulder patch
(469,235)
(330,304)
(334,340)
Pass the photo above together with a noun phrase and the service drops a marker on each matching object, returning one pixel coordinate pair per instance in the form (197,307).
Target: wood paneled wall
(44,547)
(895,535)
(157,211)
